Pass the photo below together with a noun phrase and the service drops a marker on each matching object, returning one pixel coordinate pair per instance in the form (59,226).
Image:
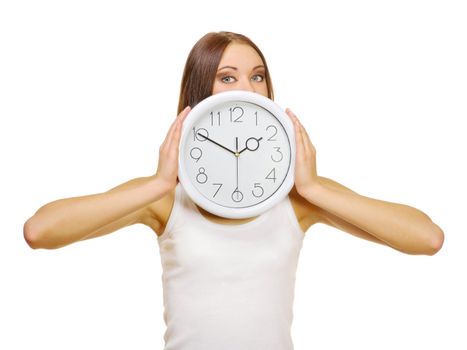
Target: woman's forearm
(403,227)
(71,219)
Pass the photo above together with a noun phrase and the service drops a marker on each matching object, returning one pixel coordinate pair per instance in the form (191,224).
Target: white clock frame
(200,111)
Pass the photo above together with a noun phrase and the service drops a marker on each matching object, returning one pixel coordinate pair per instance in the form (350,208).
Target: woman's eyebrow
(229,67)
(235,68)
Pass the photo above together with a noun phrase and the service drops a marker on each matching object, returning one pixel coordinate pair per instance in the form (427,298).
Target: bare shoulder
(158,212)
(307,213)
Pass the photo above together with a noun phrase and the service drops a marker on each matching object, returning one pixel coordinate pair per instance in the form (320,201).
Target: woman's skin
(315,199)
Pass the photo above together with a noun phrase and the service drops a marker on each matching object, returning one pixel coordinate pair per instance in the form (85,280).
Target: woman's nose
(247,85)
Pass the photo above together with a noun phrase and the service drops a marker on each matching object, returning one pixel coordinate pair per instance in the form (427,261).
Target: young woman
(229,284)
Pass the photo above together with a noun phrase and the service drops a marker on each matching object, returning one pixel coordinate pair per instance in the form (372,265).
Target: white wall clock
(237,154)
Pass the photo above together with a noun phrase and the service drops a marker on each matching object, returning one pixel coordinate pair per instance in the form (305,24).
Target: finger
(174,140)
(307,144)
(183,114)
(176,124)
(168,136)
(298,132)
(171,146)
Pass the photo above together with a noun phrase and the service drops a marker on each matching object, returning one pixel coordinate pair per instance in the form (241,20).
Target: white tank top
(229,287)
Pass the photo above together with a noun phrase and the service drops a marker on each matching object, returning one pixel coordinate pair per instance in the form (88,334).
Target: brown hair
(202,63)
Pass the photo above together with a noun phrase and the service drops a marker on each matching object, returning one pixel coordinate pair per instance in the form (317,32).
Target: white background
(88,90)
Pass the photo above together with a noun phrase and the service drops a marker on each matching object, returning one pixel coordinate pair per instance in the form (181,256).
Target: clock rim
(198,111)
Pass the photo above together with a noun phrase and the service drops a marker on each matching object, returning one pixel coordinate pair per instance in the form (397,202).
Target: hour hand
(251,144)
(216,143)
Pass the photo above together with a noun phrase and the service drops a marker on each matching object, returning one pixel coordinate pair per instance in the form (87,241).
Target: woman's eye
(228,79)
(257,78)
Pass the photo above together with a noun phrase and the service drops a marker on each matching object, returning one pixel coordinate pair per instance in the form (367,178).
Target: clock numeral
(257,188)
(237,196)
(237,113)
(196,153)
(213,117)
(256,118)
(201,131)
(281,156)
(271,175)
(274,132)
(220,185)
(201,177)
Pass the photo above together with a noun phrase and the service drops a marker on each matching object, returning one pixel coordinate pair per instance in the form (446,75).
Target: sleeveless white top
(229,287)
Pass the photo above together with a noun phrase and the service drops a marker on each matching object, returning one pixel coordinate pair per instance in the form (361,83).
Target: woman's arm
(400,226)
(65,221)
(69,220)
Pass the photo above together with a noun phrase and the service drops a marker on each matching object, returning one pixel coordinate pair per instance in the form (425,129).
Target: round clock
(237,154)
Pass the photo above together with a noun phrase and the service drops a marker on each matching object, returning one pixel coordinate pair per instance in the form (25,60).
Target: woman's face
(240,68)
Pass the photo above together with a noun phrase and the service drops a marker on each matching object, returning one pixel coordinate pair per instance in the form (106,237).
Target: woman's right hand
(167,168)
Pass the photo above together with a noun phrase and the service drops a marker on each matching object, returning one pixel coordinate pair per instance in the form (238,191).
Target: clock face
(236,154)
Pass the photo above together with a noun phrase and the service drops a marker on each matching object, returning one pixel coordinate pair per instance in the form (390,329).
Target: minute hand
(218,144)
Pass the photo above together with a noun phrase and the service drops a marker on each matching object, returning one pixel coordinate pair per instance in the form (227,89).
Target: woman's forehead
(240,55)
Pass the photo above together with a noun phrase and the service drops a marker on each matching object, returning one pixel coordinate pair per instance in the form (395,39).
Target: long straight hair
(202,63)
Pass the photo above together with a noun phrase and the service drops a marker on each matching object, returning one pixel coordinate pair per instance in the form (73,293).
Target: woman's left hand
(306,176)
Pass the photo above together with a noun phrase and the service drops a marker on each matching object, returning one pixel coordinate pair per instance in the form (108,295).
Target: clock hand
(236,153)
(218,144)
(237,195)
(248,148)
